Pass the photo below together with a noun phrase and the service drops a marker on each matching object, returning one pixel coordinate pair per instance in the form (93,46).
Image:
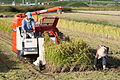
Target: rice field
(104,34)
(5,25)
(93,28)
(116,13)
(76,25)
(91,18)
(83,26)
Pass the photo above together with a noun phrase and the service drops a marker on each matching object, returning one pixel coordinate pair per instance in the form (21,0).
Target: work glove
(23,31)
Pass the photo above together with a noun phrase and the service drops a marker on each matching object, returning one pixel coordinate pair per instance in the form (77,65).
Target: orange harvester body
(42,27)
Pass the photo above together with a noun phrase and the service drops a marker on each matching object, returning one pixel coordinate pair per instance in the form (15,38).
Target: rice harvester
(33,47)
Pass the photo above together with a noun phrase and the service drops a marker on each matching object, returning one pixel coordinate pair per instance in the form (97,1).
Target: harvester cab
(33,46)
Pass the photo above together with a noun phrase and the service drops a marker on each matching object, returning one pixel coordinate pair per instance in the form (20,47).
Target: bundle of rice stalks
(67,55)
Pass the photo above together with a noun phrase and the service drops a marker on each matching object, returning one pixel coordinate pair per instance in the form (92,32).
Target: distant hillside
(70,4)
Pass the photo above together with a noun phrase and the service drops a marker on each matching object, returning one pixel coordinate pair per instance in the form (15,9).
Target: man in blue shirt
(28,23)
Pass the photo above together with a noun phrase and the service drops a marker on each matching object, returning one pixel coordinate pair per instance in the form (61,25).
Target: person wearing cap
(28,23)
(101,54)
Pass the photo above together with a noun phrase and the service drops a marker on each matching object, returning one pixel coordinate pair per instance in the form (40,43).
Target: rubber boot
(104,67)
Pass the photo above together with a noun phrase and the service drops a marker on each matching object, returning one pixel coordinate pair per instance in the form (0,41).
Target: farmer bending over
(28,25)
(102,54)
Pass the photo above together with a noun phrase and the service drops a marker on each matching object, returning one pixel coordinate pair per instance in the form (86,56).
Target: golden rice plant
(89,27)
(5,25)
(72,53)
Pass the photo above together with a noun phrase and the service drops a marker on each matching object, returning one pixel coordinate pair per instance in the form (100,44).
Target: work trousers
(103,59)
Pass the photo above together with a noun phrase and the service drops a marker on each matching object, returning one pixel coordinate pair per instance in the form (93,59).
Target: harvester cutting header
(29,43)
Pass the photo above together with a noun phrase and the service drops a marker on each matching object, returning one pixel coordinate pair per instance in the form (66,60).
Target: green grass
(5,10)
(20,8)
(70,4)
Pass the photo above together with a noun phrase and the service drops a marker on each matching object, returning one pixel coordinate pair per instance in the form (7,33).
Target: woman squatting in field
(101,54)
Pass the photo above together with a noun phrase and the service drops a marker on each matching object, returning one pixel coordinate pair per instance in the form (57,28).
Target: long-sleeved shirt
(101,52)
(27,24)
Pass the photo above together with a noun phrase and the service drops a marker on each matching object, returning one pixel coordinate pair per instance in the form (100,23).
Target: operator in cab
(28,25)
